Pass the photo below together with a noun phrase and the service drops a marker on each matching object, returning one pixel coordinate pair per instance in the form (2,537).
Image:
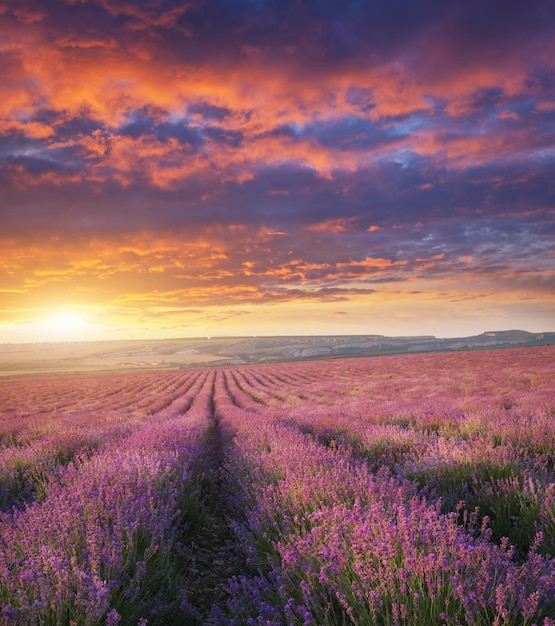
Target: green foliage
(386,452)
(500,492)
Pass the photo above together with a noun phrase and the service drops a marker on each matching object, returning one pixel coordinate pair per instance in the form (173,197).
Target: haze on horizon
(182,169)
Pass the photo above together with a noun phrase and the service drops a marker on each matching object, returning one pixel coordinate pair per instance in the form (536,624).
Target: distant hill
(295,348)
(194,352)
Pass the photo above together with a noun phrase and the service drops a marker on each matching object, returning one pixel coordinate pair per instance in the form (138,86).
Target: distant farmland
(90,356)
(410,490)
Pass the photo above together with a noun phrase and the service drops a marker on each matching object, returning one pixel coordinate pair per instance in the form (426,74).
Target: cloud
(272,152)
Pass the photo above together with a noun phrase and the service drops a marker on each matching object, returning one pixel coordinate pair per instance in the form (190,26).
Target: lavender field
(402,490)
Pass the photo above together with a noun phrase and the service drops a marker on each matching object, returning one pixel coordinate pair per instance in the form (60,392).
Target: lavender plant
(400,490)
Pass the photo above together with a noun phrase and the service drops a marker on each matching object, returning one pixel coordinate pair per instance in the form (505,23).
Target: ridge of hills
(87,356)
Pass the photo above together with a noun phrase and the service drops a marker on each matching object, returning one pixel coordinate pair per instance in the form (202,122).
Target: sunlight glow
(66,325)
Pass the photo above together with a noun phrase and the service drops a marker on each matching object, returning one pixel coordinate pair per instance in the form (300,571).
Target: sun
(66,325)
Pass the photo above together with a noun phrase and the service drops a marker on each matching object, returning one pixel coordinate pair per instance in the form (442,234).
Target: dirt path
(215,558)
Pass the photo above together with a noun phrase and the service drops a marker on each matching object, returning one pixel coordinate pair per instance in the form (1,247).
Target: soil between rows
(215,557)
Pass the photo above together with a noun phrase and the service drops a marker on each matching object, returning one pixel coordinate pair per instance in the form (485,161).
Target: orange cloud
(179,158)
(548,105)
(339,225)
(35,130)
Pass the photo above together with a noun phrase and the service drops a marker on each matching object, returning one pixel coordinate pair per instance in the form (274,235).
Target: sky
(176,168)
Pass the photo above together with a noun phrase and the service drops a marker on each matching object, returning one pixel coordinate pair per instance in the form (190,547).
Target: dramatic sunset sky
(174,168)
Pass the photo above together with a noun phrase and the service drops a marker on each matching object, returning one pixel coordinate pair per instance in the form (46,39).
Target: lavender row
(330,542)
(28,404)
(40,446)
(103,545)
(416,386)
(353,485)
(28,467)
(506,469)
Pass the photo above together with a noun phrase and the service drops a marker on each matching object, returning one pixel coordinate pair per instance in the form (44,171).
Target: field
(119,355)
(402,490)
